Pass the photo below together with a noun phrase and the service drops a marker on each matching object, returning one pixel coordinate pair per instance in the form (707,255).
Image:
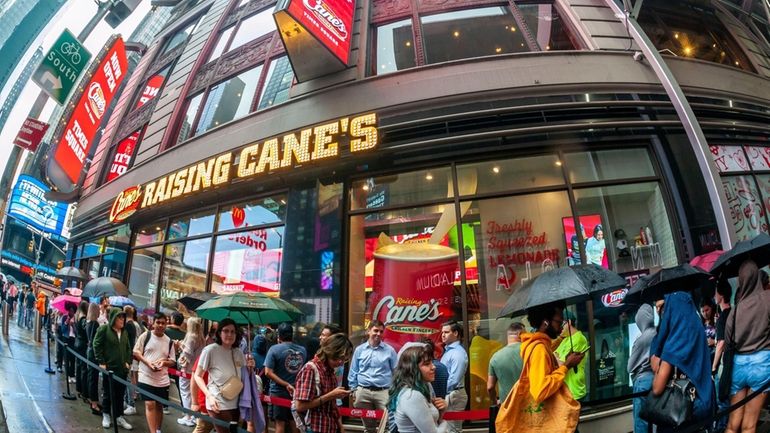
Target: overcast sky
(73,16)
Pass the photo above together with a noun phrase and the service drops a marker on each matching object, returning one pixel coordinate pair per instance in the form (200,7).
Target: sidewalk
(31,400)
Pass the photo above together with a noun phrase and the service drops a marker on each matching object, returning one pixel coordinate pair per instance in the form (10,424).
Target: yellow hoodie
(545,374)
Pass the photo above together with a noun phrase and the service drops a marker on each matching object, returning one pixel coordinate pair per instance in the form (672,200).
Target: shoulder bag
(232,388)
(302,421)
(674,406)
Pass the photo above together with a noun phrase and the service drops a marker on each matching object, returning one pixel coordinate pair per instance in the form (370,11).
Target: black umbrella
(194,300)
(71,272)
(570,284)
(104,286)
(757,249)
(653,287)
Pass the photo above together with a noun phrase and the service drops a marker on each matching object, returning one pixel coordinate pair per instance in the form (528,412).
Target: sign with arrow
(61,67)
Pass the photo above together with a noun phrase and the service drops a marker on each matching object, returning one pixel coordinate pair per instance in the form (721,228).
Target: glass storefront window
(193,106)
(608,165)
(253,27)
(149,234)
(625,228)
(471,33)
(279,79)
(224,38)
(94,265)
(94,247)
(248,261)
(184,271)
(253,213)
(729,159)
(513,174)
(191,225)
(415,186)
(395,47)
(746,209)
(229,100)
(546,26)
(180,37)
(143,280)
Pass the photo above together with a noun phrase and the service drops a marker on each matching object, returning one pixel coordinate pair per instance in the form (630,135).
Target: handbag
(673,407)
(232,388)
(520,413)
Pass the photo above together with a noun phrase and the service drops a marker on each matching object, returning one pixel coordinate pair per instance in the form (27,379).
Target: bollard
(5,319)
(37,327)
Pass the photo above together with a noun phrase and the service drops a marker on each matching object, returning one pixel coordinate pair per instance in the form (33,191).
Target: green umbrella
(248,308)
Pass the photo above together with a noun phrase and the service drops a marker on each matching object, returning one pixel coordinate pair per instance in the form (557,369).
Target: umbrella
(652,287)
(706,261)
(121,301)
(61,302)
(194,300)
(757,249)
(562,284)
(71,272)
(104,286)
(74,291)
(248,308)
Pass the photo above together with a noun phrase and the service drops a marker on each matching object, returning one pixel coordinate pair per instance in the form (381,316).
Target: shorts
(751,370)
(280,413)
(161,392)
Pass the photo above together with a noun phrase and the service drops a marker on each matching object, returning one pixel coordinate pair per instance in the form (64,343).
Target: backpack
(301,420)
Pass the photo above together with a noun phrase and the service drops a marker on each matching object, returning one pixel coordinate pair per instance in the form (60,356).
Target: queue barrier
(467,415)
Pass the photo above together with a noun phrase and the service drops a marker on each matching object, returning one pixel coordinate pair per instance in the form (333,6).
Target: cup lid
(415,252)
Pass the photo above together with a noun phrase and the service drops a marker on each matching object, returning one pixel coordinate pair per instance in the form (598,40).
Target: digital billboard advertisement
(73,148)
(28,204)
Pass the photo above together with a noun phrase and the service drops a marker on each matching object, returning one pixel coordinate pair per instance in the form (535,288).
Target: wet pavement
(31,400)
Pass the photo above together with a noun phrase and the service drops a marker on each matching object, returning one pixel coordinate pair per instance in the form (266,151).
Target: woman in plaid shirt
(323,415)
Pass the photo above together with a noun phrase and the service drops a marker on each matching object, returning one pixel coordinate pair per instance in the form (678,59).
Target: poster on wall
(123,154)
(593,235)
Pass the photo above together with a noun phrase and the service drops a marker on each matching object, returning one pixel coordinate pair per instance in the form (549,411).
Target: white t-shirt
(221,364)
(157,348)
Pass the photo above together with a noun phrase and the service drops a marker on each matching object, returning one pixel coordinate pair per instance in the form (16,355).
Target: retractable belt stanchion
(37,326)
(48,370)
(67,353)
(5,318)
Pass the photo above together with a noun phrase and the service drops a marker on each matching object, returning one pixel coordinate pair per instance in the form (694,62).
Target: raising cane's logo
(409,315)
(614,299)
(125,204)
(96,99)
(328,18)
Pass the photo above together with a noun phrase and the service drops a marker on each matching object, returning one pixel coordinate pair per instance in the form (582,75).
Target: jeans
(30,317)
(20,316)
(642,383)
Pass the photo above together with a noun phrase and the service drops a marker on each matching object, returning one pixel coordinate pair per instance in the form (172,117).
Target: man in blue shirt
(371,371)
(282,363)
(442,374)
(456,361)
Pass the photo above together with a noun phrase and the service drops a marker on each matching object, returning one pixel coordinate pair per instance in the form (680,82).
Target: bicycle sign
(61,67)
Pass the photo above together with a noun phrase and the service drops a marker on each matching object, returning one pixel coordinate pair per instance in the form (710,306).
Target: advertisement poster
(28,204)
(123,154)
(593,236)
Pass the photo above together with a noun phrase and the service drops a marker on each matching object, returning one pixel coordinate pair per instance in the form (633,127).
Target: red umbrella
(706,261)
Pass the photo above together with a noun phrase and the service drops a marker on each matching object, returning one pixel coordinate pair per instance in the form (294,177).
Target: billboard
(28,204)
(593,237)
(73,148)
(123,154)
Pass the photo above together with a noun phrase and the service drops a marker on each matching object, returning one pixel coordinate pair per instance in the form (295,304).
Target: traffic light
(57,282)
(31,245)
(59,264)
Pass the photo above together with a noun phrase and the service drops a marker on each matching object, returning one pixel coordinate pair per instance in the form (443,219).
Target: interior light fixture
(498,50)
(157,229)
(408,43)
(365,187)
(558,163)
(687,51)
(456,34)
(496,169)
(676,35)
(428,176)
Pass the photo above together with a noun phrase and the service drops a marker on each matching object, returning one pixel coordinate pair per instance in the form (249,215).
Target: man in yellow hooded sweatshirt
(537,351)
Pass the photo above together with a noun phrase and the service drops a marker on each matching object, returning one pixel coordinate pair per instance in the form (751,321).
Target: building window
(193,106)
(229,100)
(143,279)
(395,47)
(180,37)
(224,39)
(105,256)
(698,34)
(279,79)
(248,261)
(409,252)
(546,26)
(184,271)
(252,28)
(123,155)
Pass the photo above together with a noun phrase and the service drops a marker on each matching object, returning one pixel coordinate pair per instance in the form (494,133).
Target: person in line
(175,331)
(196,398)
(10,297)
(708,311)
(441,376)
(680,348)
(415,409)
(749,332)
(573,340)
(113,353)
(282,363)
(134,330)
(639,362)
(723,295)
(68,332)
(20,300)
(29,303)
(456,360)
(322,413)
(81,347)
(505,366)
(104,310)
(223,361)
(371,371)
(40,306)
(191,348)
(92,377)
(155,352)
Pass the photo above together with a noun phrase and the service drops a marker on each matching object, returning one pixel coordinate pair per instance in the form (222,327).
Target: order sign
(72,150)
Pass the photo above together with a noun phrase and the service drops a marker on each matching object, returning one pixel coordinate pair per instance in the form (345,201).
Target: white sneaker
(131,410)
(191,422)
(122,423)
(71,380)
(106,423)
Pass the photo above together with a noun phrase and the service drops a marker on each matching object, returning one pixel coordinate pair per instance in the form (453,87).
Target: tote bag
(520,413)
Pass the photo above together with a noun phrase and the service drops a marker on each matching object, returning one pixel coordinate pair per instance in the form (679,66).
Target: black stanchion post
(233,427)
(113,414)
(68,395)
(48,370)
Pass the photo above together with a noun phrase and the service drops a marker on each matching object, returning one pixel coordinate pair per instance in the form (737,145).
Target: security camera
(638,56)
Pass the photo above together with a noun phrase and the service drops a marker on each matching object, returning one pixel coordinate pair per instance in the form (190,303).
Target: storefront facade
(486,156)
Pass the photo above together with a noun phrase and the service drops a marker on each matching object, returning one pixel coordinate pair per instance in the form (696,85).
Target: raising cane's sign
(72,150)
(330,21)
(323,142)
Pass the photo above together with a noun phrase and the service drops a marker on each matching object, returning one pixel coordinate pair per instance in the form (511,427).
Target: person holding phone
(155,352)
(573,341)
(414,407)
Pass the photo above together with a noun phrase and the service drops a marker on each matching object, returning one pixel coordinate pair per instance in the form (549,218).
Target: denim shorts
(751,370)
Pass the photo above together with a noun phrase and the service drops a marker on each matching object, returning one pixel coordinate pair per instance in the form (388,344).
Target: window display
(248,261)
